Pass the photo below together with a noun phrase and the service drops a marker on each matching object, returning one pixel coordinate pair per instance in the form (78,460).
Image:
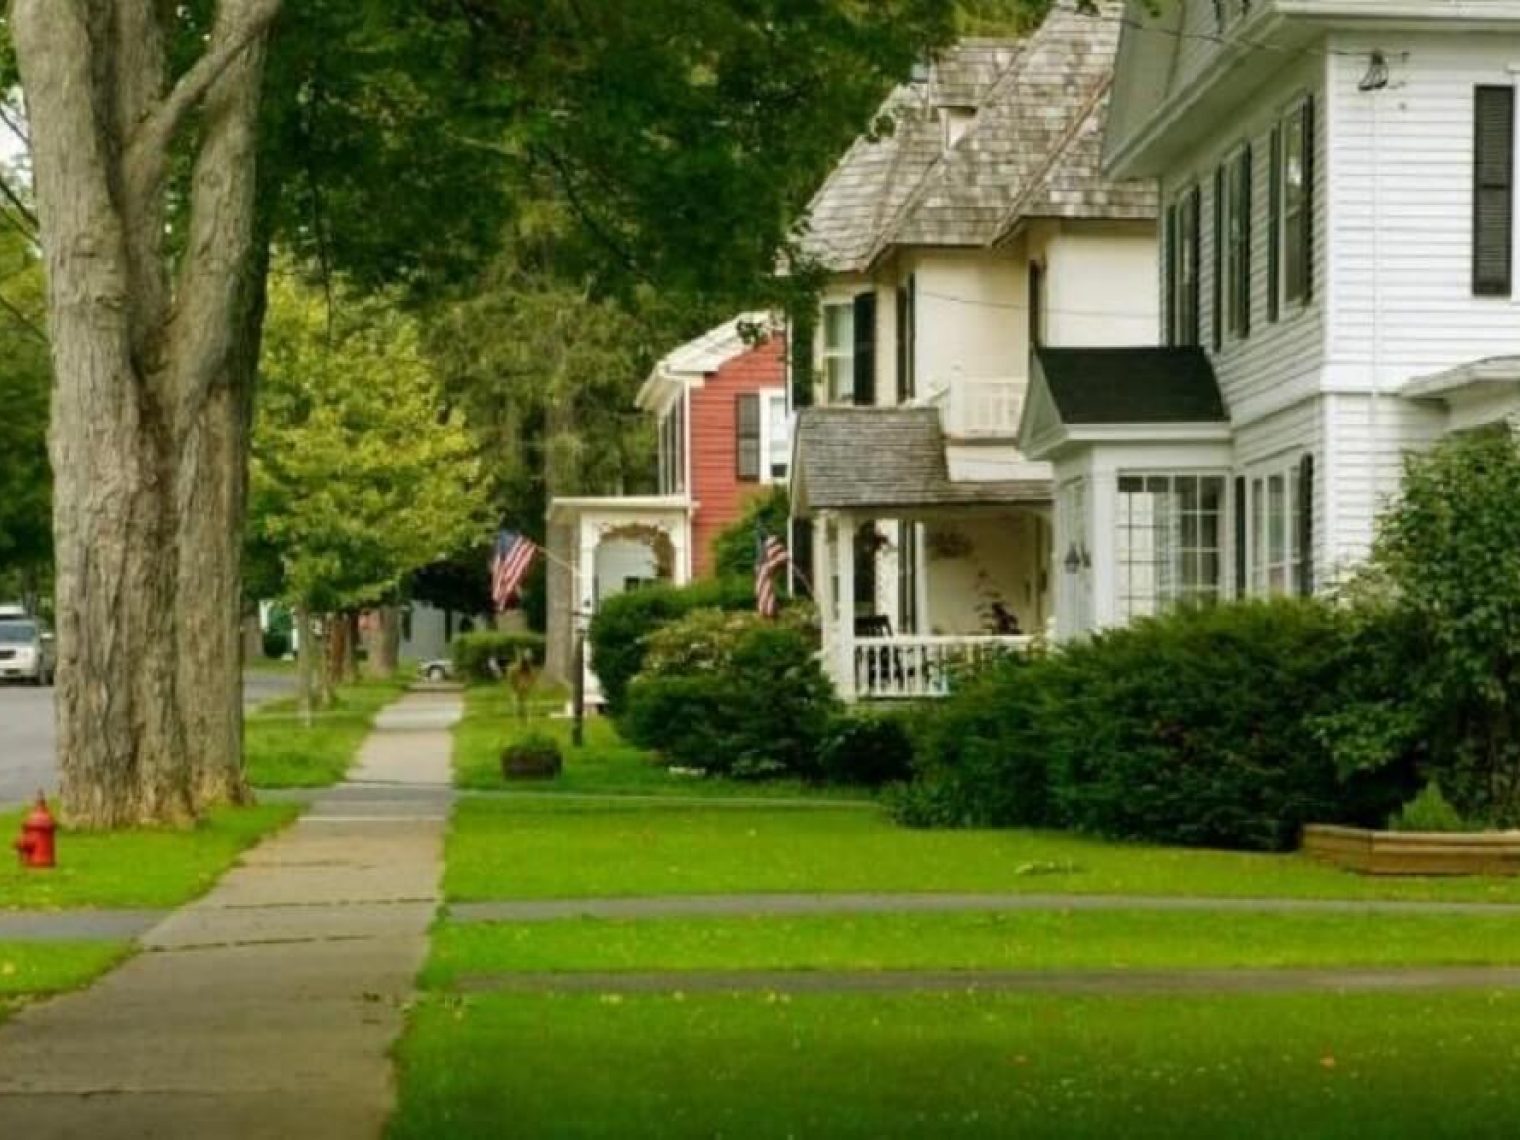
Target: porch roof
(1472,374)
(887,459)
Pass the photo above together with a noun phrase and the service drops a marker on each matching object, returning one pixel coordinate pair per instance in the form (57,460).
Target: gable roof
(703,356)
(1030,150)
(907,466)
(1090,386)
(876,176)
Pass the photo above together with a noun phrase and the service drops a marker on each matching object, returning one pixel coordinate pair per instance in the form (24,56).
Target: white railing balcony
(912,667)
(978,408)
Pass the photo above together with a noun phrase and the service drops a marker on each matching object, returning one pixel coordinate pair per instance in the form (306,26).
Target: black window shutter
(1274,226)
(804,325)
(1192,335)
(1493,190)
(1243,286)
(1219,240)
(1308,225)
(1240,537)
(1306,525)
(865,349)
(912,335)
(904,392)
(1169,247)
(747,431)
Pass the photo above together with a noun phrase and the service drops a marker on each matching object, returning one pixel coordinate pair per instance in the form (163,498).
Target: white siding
(1278,364)
(1369,436)
(1100,287)
(1401,211)
(972,316)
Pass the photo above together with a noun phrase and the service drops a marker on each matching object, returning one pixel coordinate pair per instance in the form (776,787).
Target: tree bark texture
(385,642)
(152,372)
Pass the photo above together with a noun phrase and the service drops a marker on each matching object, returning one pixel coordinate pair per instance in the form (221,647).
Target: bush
(733,549)
(868,748)
(473,653)
(534,757)
(276,644)
(1196,728)
(621,625)
(731,694)
(1428,811)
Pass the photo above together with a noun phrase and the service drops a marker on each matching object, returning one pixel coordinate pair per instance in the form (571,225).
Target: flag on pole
(770,558)
(510,562)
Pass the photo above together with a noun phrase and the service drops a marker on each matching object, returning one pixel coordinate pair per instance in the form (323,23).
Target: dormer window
(957,121)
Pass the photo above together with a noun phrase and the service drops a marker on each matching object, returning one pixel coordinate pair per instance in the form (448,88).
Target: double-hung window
(777,437)
(1279,529)
(1292,213)
(1237,238)
(1182,268)
(839,352)
(762,437)
(673,448)
(1169,544)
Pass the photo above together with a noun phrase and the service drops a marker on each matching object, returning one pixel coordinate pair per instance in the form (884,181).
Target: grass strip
(142,867)
(281,751)
(542,848)
(1022,940)
(30,970)
(605,764)
(1387,1066)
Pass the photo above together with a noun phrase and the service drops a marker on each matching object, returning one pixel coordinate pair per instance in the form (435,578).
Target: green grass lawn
(283,752)
(36,969)
(544,848)
(1336,1066)
(138,868)
(1019,940)
(606,764)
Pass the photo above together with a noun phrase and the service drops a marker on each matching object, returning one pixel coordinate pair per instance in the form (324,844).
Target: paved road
(26,734)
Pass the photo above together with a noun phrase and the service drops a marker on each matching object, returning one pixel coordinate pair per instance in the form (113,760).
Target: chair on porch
(884,663)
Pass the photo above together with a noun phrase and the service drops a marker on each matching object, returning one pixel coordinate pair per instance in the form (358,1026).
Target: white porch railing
(891,668)
(978,408)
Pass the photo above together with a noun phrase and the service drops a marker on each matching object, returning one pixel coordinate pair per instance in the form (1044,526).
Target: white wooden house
(1338,193)
(976,229)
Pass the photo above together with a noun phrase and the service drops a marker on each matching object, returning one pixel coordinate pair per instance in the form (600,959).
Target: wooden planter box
(1414,852)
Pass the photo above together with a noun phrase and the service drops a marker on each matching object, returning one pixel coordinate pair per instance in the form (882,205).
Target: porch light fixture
(1073,561)
(1377,74)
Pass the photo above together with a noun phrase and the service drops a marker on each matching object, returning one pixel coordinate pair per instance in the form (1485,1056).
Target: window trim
(844,353)
(770,397)
(1168,595)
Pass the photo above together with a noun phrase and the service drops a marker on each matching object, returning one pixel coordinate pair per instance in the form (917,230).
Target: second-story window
(673,448)
(1493,190)
(1237,237)
(778,438)
(1184,283)
(839,352)
(1296,196)
(747,424)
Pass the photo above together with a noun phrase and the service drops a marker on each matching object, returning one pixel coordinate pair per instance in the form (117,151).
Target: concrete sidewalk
(268,1008)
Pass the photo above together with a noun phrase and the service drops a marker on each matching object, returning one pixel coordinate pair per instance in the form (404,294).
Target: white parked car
(26,650)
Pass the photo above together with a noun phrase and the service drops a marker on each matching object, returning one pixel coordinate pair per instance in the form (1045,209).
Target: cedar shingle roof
(1031,150)
(1132,385)
(889,457)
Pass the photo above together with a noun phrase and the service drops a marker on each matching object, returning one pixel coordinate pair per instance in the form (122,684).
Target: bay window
(1169,544)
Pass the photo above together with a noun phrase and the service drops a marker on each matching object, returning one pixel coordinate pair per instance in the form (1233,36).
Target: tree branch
(148,150)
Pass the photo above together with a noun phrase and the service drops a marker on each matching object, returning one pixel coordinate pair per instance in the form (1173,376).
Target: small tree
(1448,555)
(359,476)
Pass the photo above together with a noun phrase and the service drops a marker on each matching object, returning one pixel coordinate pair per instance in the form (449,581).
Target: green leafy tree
(26,536)
(360,475)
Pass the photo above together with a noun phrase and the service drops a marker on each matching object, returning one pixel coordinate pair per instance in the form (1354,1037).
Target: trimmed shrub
(733,549)
(732,694)
(1428,811)
(621,625)
(869,748)
(1197,728)
(473,653)
(276,644)
(533,757)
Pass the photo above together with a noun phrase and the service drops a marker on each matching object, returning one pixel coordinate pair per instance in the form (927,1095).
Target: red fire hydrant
(37,844)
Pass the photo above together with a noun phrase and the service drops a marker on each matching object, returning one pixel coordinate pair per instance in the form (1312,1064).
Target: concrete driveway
(27,759)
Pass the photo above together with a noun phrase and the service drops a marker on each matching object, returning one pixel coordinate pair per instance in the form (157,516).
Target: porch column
(1100,529)
(844,553)
(585,601)
(680,569)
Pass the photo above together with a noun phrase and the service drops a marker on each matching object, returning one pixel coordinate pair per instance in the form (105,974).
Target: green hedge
(732,694)
(472,653)
(1204,727)
(621,625)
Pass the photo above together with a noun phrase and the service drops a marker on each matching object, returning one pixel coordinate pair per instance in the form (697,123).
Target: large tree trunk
(385,642)
(147,469)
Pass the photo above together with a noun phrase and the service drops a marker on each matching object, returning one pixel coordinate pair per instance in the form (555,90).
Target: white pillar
(585,600)
(844,553)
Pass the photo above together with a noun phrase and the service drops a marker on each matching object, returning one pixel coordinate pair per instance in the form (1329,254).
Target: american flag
(510,561)
(770,557)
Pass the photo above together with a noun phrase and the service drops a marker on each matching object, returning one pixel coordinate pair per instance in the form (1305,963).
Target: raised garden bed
(1414,852)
